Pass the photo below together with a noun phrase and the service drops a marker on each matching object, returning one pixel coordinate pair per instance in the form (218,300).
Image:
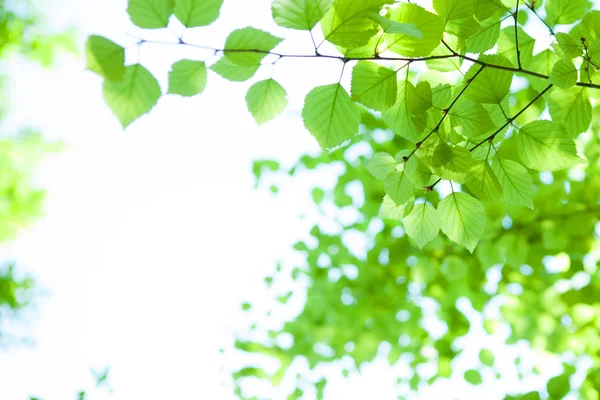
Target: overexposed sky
(153,236)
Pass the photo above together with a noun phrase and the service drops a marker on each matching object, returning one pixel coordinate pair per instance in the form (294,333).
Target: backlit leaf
(299,14)
(422,224)
(150,14)
(545,146)
(463,219)
(517,184)
(187,78)
(133,96)
(373,85)
(193,13)
(330,115)
(105,57)
(249,46)
(266,100)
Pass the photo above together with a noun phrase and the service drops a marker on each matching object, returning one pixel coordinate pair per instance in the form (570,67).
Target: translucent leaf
(485,38)
(187,78)
(491,85)
(150,14)
(463,219)
(391,210)
(418,172)
(483,183)
(588,28)
(422,224)
(474,119)
(193,13)
(133,96)
(420,99)
(484,9)
(430,25)
(348,24)
(517,185)
(565,11)
(299,14)
(507,45)
(249,46)
(373,85)
(447,64)
(571,108)
(381,165)
(330,115)
(266,100)
(234,72)
(394,27)
(453,9)
(570,47)
(545,146)
(399,118)
(564,74)
(105,57)
(399,187)
(542,63)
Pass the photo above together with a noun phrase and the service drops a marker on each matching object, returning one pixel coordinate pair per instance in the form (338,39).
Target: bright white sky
(153,236)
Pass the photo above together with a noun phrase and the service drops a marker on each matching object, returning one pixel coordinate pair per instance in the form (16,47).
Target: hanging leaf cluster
(461,83)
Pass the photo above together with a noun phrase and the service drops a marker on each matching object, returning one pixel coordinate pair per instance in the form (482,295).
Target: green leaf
(381,165)
(399,118)
(105,57)
(485,38)
(150,14)
(234,72)
(418,172)
(373,85)
(430,25)
(299,14)
(248,46)
(266,100)
(399,187)
(482,181)
(422,224)
(542,63)
(187,78)
(453,9)
(447,64)
(517,185)
(571,108)
(491,85)
(564,74)
(565,11)
(394,27)
(391,210)
(463,219)
(193,13)
(420,99)
(474,119)
(545,146)
(484,9)
(133,96)
(507,45)
(473,377)
(348,24)
(330,115)
(570,47)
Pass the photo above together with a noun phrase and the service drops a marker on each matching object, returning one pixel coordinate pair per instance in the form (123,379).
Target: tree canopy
(475,153)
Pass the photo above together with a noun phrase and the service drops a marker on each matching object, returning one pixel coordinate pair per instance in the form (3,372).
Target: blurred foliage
(22,34)
(534,272)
